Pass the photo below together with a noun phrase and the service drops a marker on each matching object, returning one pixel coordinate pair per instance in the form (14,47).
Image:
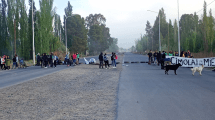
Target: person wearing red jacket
(74,58)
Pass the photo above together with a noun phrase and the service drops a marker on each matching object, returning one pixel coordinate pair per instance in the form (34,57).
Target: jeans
(55,63)
(46,62)
(101,64)
(106,64)
(74,60)
(155,58)
(68,62)
(14,64)
(114,62)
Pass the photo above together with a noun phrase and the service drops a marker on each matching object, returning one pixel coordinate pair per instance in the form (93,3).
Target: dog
(198,69)
(172,67)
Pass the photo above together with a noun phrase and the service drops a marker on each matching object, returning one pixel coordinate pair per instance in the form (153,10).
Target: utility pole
(159,34)
(66,32)
(65,35)
(14,36)
(168,37)
(33,32)
(178,33)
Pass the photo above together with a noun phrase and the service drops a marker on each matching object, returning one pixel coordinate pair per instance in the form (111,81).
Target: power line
(206,6)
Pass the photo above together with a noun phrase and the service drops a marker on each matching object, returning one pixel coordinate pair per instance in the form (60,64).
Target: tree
(204,28)
(68,10)
(45,19)
(4,42)
(97,19)
(114,47)
(24,42)
(149,34)
(163,29)
(95,37)
(77,34)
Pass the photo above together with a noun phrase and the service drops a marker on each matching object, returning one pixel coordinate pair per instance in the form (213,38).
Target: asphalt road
(146,93)
(12,77)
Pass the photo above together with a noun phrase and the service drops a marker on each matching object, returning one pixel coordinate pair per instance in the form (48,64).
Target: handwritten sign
(192,62)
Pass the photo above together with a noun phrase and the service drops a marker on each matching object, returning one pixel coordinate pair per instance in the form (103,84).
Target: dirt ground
(81,92)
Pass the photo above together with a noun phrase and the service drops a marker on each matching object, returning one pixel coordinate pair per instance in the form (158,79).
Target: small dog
(172,67)
(198,69)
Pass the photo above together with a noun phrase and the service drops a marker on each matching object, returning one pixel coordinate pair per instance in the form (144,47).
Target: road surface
(146,93)
(12,77)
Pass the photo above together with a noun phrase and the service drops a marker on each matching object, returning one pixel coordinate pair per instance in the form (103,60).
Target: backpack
(105,58)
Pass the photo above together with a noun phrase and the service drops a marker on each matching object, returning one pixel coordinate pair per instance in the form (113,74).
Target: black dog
(172,67)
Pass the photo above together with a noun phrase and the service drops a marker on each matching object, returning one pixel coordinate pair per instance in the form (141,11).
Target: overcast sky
(127,18)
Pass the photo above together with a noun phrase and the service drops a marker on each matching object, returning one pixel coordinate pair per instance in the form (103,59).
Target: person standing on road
(67,59)
(14,62)
(149,56)
(155,56)
(106,61)
(8,62)
(3,62)
(38,59)
(101,60)
(41,60)
(78,58)
(112,59)
(74,58)
(51,60)
(159,58)
(163,59)
(0,62)
(17,60)
(55,60)
(45,60)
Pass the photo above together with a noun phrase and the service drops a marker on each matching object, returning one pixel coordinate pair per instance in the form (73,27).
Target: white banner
(192,62)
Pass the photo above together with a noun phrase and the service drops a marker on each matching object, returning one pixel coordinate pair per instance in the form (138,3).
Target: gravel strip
(82,92)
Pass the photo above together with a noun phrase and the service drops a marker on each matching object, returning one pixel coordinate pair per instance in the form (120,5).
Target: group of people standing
(73,60)
(47,60)
(6,62)
(160,58)
(105,58)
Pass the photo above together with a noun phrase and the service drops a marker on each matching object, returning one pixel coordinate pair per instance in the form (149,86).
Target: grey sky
(127,18)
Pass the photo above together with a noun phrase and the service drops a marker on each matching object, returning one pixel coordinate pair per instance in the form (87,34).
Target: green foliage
(77,34)
(114,47)
(196,34)
(49,35)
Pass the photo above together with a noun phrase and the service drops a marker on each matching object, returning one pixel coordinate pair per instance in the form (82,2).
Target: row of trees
(197,33)
(99,38)
(16,31)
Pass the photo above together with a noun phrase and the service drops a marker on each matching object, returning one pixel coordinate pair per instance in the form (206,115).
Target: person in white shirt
(17,60)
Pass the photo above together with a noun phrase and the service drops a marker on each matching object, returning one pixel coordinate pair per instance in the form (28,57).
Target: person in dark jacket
(182,52)
(41,60)
(106,61)
(45,58)
(112,59)
(150,56)
(155,56)
(163,57)
(159,58)
(101,60)
(51,60)
(38,59)
(14,62)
